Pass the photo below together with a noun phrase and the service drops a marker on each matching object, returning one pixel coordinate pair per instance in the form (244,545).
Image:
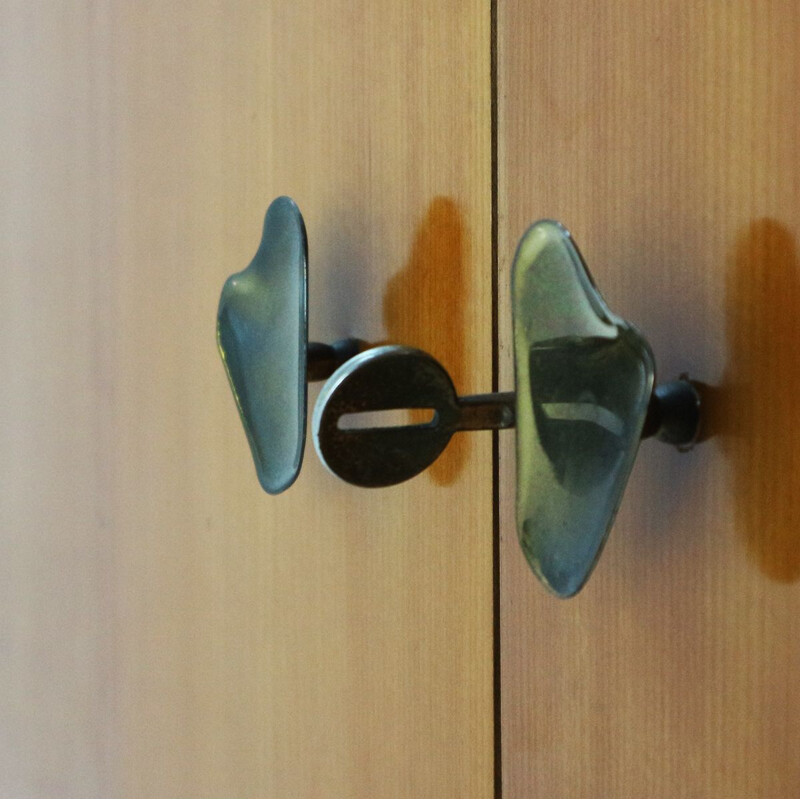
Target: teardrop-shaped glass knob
(262,332)
(584,378)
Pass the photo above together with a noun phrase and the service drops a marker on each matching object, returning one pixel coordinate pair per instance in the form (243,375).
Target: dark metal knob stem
(322,360)
(487,411)
(673,415)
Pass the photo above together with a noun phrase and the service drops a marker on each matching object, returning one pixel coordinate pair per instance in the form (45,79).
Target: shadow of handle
(754,411)
(423,306)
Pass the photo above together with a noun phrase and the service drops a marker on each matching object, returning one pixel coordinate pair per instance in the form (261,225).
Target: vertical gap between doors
(497,705)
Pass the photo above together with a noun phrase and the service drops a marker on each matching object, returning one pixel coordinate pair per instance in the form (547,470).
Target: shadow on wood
(424,307)
(755,408)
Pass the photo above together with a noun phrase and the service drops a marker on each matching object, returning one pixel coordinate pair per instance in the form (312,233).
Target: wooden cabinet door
(664,135)
(165,627)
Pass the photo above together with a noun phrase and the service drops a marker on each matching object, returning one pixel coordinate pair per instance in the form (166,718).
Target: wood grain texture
(664,135)
(165,627)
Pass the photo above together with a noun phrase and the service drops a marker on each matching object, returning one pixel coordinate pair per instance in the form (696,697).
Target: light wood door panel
(166,627)
(663,134)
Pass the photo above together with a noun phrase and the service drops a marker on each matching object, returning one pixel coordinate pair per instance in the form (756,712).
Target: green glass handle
(584,380)
(262,335)
(262,331)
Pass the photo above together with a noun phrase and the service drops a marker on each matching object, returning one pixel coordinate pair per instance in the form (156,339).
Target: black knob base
(322,360)
(673,416)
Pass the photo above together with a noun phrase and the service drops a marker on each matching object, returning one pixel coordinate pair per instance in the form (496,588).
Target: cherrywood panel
(663,134)
(165,627)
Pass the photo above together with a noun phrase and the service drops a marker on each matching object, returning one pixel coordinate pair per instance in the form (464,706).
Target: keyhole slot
(388,418)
